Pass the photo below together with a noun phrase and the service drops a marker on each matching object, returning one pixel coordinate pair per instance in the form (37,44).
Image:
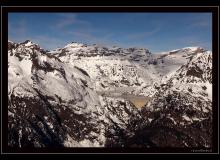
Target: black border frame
(215,49)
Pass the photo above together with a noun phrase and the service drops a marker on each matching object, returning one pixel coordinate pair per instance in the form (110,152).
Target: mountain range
(95,96)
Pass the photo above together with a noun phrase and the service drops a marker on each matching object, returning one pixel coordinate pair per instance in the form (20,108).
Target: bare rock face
(63,98)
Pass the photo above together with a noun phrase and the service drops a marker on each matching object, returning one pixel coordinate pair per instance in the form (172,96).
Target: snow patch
(185,117)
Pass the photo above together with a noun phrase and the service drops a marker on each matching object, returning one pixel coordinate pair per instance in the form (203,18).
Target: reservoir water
(138,100)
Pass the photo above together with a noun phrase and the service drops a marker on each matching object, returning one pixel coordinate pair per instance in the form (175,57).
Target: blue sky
(155,31)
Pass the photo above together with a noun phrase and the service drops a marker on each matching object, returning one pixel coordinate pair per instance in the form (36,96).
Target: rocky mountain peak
(11,45)
(188,50)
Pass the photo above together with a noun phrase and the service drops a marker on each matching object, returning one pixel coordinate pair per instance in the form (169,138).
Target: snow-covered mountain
(109,68)
(54,103)
(79,95)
